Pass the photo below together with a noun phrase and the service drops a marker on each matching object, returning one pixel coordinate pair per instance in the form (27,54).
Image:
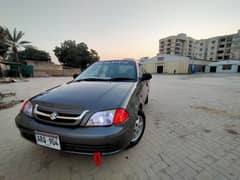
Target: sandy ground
(193,132)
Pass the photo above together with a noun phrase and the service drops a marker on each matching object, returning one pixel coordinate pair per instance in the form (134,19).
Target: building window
(213,42)
(212,48)
(226,57)
(226,67)
(160,58)
(201,44)
(221,46)
(229,39)
(200,49)
(228,45)
(228,51)
(220,52)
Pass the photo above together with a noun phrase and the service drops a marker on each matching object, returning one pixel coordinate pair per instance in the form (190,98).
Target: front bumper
(81,140)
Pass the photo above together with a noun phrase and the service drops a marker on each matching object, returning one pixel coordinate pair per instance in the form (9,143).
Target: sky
(118,29)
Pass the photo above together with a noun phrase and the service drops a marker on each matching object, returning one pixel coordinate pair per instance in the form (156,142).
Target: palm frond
(20,34)
(8,34)
(14,34)
(24,42)
(8,42)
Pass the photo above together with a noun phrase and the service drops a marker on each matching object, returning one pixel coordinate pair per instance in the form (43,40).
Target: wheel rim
(138,128)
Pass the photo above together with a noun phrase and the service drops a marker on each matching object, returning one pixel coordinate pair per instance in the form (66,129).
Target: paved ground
(193,132)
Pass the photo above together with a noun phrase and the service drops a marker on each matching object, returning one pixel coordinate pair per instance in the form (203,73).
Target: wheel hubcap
(138,128)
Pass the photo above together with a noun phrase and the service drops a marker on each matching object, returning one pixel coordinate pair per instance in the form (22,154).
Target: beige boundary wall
(56,72)
(181,66)
(43,69)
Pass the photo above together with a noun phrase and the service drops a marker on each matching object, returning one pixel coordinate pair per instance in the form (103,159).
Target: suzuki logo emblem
(53,116)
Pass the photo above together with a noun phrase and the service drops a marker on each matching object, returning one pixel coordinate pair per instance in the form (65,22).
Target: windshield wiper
(121,79)
(91,79)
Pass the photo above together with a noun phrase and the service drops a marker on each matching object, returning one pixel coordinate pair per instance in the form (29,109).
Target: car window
(110,70)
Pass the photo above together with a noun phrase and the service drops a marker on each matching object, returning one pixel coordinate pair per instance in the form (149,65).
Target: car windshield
(110,71)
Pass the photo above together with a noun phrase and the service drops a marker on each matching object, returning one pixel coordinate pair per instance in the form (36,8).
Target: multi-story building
(213,49)
(180,44)
(235,48)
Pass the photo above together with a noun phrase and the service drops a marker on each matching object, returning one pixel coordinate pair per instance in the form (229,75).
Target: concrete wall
(181,67)
(70,72)
(3,69)
(55,72)
(150,67)
(43,65)
(42,68)
(220,69)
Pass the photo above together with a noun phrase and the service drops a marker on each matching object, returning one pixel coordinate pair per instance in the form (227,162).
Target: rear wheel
(139,128)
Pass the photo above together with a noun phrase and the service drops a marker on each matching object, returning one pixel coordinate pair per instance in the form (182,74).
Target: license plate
(48,140)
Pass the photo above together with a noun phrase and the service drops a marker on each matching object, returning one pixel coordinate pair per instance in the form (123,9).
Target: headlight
(27,108)
(103,118)
(106,118)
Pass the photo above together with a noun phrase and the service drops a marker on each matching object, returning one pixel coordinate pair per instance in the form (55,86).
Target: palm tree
(3,47)
(14,42)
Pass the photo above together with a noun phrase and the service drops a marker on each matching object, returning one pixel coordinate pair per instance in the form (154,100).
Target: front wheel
(139,128)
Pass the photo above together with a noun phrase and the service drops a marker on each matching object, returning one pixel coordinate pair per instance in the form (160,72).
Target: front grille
(81,148)
(58,118)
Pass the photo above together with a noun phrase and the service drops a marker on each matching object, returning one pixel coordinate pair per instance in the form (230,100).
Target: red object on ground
(97,158)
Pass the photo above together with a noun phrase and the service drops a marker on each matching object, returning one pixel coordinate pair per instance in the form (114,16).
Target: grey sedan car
(101,110)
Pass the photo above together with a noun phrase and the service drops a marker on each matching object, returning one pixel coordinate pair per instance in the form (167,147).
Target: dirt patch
(207,130)
(5,105)
(208,109)
(7,95)
(183,136)
(216,111)
(8,100)
(232,129)
(7,80)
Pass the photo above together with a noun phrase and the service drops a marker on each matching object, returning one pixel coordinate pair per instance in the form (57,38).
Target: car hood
(92,95)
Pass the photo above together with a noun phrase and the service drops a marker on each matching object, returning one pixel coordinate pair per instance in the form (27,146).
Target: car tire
(133,142)
(146,101)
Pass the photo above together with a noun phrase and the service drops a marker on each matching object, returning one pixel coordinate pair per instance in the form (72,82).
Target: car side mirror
(146,76)
(75,75)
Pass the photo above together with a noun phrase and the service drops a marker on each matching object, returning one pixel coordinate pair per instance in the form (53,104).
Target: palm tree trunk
(18,66)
